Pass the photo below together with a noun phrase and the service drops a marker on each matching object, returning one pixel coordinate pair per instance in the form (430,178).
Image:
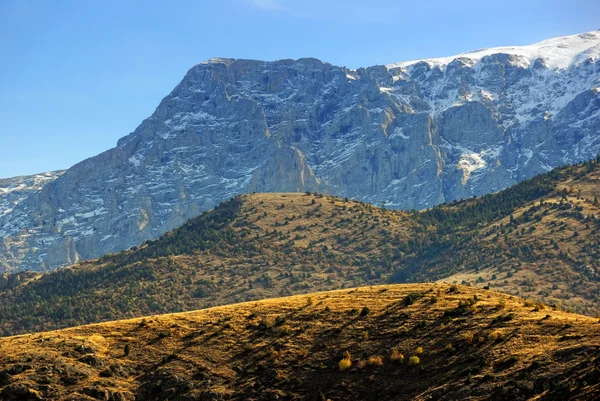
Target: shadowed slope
(463,342)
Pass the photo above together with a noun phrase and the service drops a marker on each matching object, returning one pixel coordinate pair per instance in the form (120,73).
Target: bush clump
(397,356)
(414,360)
(376,360)
(411,298)
(345,362)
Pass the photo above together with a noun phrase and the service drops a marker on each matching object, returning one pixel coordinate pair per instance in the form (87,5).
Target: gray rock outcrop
(411,134)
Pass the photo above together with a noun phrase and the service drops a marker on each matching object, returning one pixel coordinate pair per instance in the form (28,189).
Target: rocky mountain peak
(411,134)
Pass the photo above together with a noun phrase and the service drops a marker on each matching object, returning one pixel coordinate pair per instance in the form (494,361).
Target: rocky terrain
(14,190)
(400,342)
(539,239)
(407,135)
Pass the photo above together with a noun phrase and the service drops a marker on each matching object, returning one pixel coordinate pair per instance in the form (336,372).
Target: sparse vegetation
(397,356)
(346,362)
(376,360)
(414,360)
(287,345)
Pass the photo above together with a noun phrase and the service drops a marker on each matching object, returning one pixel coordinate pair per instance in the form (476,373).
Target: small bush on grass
(346,362)
(397,356)
(376,360)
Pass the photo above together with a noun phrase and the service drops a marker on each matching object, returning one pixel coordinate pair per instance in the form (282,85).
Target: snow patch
(398,133)
(557,53)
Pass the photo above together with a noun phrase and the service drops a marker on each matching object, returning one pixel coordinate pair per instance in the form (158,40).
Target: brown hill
(539,239)
(394,342)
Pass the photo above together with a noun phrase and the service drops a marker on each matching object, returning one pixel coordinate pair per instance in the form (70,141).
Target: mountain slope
(422,341)
(14,190)
(264,245)
(411,134)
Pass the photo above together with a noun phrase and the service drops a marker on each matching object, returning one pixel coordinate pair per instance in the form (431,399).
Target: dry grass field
(391,342)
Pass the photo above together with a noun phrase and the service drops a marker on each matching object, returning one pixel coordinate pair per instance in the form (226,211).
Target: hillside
(395,342)
(264,245)
(413,134)
(547,248)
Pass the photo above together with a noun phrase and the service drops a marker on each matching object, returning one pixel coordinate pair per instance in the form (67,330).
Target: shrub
(346,362)
(411,298)
(501,303)
(376,360)
(468,337)
(420,323)
(535,365)
(419,350)
(503,318)
(449,348)
(397,356)
(414,360)
(365,311)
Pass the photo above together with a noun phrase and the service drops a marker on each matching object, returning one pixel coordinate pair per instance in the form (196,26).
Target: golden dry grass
(291,348)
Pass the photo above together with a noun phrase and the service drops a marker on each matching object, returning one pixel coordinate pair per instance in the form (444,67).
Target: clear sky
(77,75)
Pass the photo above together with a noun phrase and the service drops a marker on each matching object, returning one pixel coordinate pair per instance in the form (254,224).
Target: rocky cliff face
(14,190)
(411,134)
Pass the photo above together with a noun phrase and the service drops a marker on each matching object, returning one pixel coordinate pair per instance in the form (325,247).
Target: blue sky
(77,75)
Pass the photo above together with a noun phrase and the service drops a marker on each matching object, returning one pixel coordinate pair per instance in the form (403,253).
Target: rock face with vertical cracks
(411,134)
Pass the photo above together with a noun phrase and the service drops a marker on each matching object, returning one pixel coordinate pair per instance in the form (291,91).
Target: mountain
(14,190)
(399,342)
(412,134)
(539,239)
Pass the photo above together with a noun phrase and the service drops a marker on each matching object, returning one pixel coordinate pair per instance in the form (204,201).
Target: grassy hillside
(394,342)
(547,248)
(539,239)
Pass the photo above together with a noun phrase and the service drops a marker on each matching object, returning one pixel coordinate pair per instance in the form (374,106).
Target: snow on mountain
(14,190)
(412,134)
(556,53)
